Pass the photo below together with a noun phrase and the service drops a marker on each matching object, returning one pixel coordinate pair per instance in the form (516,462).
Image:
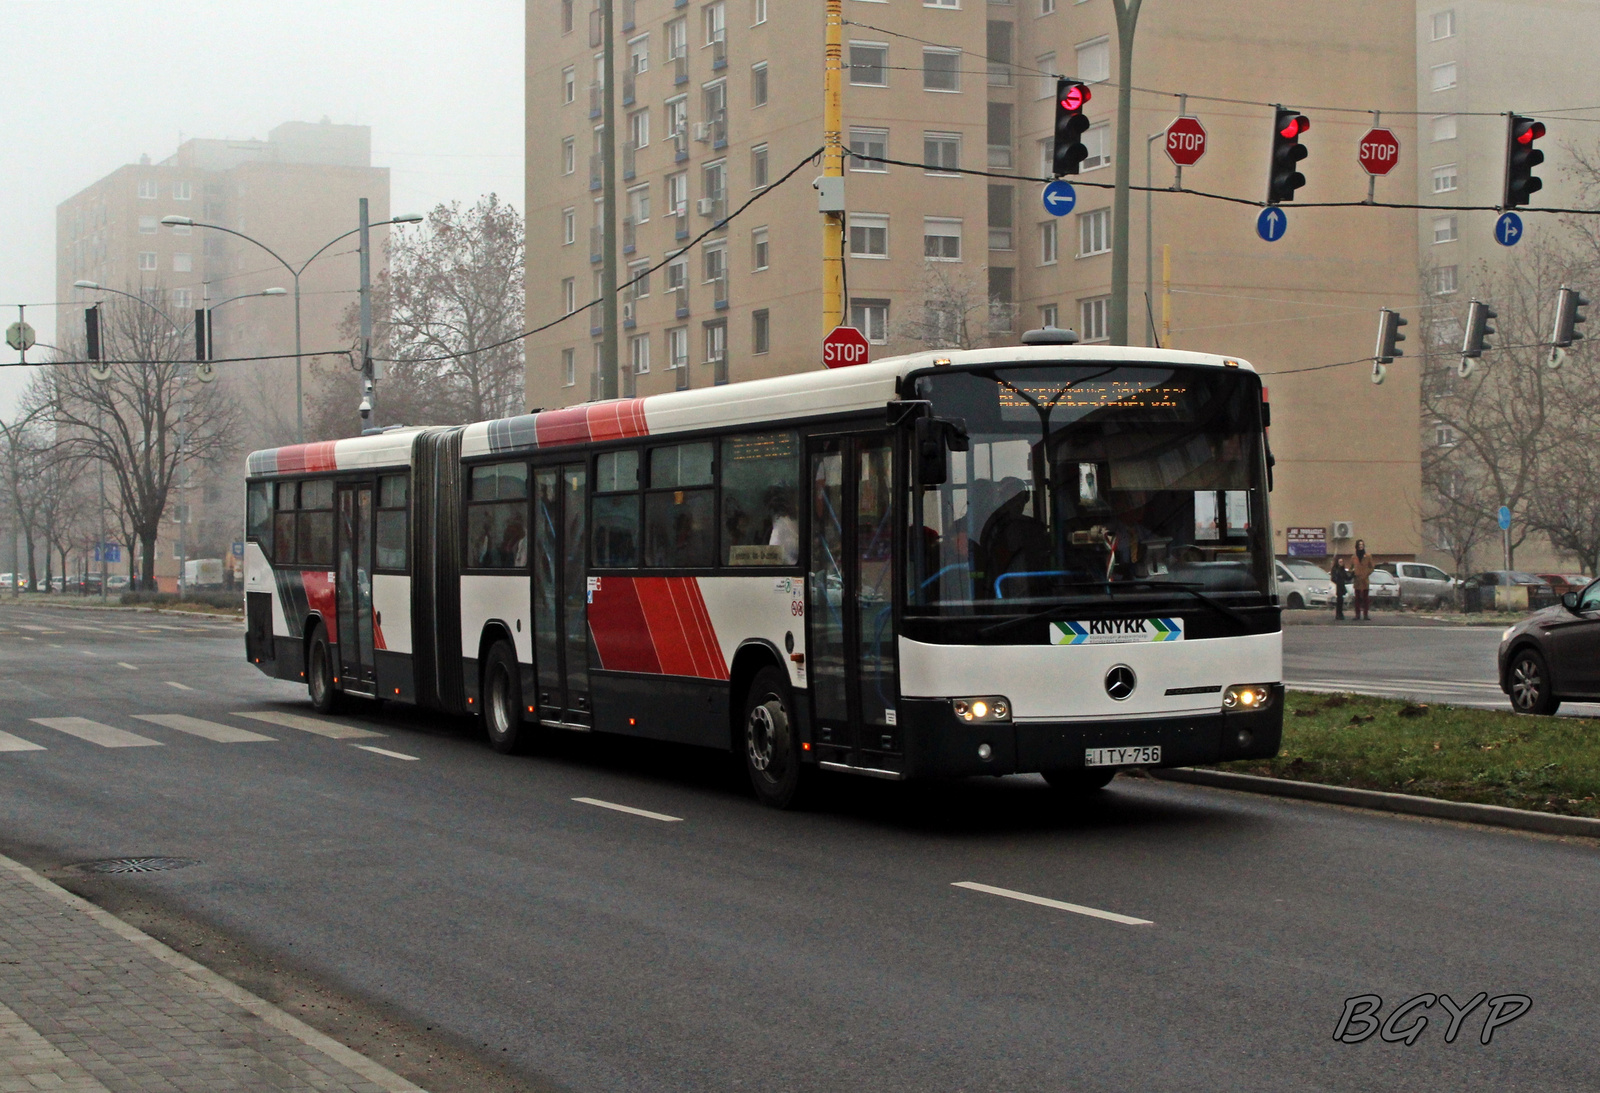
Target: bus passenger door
(354,589)
(851,647)
(561,595)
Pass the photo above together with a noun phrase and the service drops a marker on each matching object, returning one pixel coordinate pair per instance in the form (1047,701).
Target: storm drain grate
(137,865)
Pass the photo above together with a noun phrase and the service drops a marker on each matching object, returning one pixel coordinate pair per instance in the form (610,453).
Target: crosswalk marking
(179,686)
(210,730)
(16,743)
(125,664)
(385,751)
(96,733)
(333,730)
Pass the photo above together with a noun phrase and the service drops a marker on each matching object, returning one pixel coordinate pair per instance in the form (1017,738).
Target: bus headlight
(1242,697)
(990,708)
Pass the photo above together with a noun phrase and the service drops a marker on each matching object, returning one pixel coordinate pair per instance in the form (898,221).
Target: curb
(1545,823)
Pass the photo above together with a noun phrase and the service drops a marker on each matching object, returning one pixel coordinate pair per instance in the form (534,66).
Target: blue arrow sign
(1508,229)
(1271,224)
(1505,515)
(1059,197)
(108,552)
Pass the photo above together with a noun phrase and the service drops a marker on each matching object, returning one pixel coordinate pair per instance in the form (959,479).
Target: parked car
(1384,589)
(1553,654)
(1563,583)
(1422,585)
(1540,594)
(116,582)
(1302,584)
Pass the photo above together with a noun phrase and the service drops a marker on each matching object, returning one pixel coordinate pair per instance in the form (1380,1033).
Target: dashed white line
(390,754)
(629,809)
(179,686)
(125,664)
(1077,909)
(333,730)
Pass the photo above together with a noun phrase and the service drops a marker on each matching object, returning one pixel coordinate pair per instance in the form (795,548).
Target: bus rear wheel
(502,700)
(1079,781)
(320,683)
(771,740)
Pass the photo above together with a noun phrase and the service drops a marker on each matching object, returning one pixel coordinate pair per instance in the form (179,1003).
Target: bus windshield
(1092,483)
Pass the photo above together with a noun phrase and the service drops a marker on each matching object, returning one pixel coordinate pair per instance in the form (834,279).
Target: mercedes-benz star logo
(1120,682)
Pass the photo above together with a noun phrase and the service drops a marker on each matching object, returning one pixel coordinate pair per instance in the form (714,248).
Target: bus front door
(353,590)
(561,596)
(850,649)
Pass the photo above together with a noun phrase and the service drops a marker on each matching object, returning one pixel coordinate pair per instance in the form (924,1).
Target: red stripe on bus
(568,426)
(674,626)
(306,458)
(617,420)
(709,648)
(319,596)
(621,633)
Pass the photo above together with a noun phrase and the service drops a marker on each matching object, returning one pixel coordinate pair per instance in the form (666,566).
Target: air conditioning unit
(707,206)
(1343,529)
(702,131)
(628,311)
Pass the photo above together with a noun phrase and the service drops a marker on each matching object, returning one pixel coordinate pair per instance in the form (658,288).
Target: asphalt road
(732,947)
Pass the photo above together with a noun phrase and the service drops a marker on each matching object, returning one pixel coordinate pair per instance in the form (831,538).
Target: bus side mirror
(935,437)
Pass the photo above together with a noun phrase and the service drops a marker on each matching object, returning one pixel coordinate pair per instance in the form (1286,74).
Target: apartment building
(719,99)
(294,192)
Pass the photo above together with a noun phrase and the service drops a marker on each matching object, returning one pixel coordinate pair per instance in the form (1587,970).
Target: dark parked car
(1553,654)
(1540,594)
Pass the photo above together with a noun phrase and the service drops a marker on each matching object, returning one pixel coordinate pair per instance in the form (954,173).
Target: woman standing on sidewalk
(1361,569)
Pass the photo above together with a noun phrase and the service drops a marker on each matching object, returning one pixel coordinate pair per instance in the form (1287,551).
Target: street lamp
(204,314)
(299,368)
(98,287)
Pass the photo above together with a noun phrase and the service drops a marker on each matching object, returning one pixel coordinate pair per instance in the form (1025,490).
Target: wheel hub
(766,736)
(1525,684)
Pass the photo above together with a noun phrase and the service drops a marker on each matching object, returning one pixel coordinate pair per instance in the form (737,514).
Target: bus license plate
(1121,757)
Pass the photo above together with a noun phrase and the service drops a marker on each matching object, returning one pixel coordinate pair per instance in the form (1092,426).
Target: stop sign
(844,345)
(1379,152)
(1186,141)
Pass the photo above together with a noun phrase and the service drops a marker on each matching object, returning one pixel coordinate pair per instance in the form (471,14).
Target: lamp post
(98,287)
(299,367)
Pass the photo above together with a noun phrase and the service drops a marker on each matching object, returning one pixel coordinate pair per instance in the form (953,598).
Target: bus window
(258,515)
(497,517)
(314,536)
(760,499)
(616,509)
(391,537)
(283,523)
(678,519)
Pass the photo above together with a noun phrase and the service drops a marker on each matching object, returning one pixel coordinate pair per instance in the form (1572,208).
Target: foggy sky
(90,85)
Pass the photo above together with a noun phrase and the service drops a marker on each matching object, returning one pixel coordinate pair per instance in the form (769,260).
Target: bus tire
(1080,781)
(771,740)
(502,700)
(320,674)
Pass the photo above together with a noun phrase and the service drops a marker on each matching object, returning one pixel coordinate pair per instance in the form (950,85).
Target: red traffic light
(1075,97)
(1297,125)
(1531,133)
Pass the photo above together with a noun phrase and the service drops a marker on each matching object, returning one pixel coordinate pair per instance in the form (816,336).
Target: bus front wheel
(771,740)
(319,674)
(502,700)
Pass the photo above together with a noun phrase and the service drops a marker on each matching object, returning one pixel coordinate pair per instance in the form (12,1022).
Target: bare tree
(957,311)
(23,452)
(150,419)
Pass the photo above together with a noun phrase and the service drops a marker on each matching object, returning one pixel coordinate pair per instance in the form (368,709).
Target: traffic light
(1071,97)
(1284,178)
(1389,336)
(1569,315)
(1521,158)
(202,334)
(91,332)
(1478,329)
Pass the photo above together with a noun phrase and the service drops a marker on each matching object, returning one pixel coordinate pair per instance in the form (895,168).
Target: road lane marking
(1092,912)
(630,810)
(210,730)
(125,664)
(390,754)
(96,733)
(180,686)
(16,743)
(330,729)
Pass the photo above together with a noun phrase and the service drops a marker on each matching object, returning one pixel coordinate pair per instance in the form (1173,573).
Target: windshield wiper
(1044,614)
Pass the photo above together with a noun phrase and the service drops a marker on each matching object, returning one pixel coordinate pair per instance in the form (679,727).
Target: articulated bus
(1051,558)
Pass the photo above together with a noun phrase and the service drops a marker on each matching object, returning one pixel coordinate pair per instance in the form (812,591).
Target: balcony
(680,301)
(680,226)
(719,55)
(596,163)
(719,291)
(629,236)
(630,152)
(596,99)
(680,146)
(999,75)
(680,69)
(1000,155)
(719,371)
(719,130)
(630,310)
(682,371)
(628,22)
(629,88)
(597,243)
(715,206)
(999,238)
(596,38)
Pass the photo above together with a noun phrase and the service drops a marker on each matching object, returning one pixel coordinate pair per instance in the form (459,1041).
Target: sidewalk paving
(88,1004)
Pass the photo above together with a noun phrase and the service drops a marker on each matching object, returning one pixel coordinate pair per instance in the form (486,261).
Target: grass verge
(1543,764)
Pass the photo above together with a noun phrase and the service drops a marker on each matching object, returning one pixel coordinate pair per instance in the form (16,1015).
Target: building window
(869,142)
(639,279)
(1444,178)
(569,295)
(955,4)
(871,317)
(1443,76)
(1444,24)
(869,64)
(182,299)
(678,193)
(1092,313)
(677,31)
(713,180)
(148,190)
(758,249)
(569,225)
(716,341)
(1443,435)
(1444,229)
(1094,232)
(758,12)
(1002,201)
(569,156)
(678,347)
(941,152)
(760,331)
(758,84)
(941,70)
(677,274)
(147,225)
(1444,280)
(183,191)
(716,22)
(1097,143)
(639,347)
(869,235)
(715,261)
(639,54)
(1047,243)
(1047,7)
(569,367)
(639,128)
(1444,127)
(677,114)
(1049,316)
(147,261)
(569,85)
(639,204)
(758,167)
(566,16)
(941,239)
(1094,60)
(1002,297)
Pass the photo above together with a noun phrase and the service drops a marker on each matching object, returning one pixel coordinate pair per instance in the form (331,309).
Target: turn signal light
(988,708)
(1242,697)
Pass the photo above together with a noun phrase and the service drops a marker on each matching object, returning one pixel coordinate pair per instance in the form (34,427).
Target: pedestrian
(1361,570)
(1341,580)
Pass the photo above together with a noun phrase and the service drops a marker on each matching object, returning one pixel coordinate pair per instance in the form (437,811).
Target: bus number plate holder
(1121,757)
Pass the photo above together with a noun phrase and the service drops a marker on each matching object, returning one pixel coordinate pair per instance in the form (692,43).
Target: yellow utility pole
(833,302)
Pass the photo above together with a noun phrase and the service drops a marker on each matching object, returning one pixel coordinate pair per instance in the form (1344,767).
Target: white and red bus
(1050,558)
